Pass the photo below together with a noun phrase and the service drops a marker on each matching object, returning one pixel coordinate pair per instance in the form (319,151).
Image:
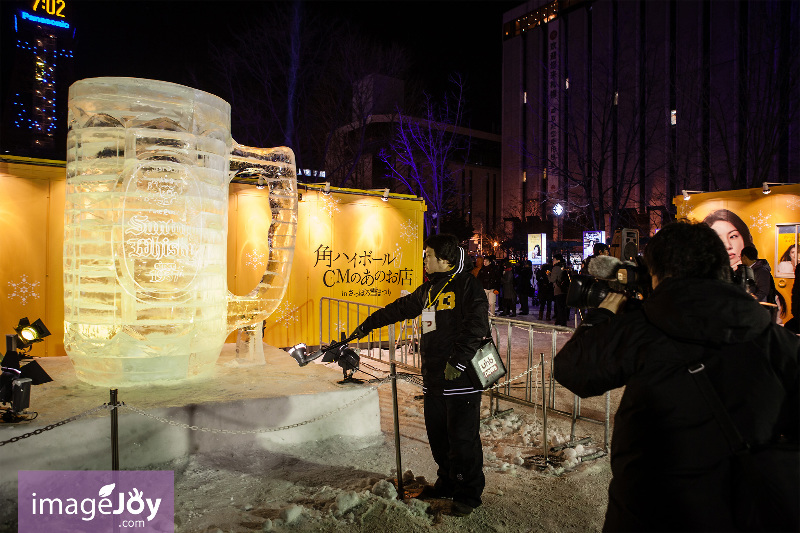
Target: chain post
(393,370)
(114,430)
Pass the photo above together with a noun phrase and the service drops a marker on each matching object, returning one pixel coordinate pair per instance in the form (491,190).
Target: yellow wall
(31,248)
(762,213)
(379,243)
(351,247)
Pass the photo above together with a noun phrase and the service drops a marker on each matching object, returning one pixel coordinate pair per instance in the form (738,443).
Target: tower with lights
(38,46)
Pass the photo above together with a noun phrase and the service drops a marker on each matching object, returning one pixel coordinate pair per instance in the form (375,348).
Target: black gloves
(451,372)
(360,332)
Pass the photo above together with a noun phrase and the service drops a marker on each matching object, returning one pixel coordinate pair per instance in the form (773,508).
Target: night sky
(170,40)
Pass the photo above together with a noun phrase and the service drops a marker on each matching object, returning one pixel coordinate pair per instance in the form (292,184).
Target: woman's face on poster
(732,239)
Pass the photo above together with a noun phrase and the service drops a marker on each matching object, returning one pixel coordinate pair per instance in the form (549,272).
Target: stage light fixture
(385,196)
(335,352)
(765,186)
(327,188)
(687,194)
(28,333)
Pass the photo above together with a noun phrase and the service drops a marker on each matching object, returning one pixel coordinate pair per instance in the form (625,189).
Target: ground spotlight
(19,372)
(28,333)
(335,352)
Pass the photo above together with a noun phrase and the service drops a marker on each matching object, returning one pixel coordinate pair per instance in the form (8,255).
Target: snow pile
(511,440)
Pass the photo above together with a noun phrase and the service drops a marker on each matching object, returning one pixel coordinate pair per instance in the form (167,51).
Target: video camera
(609,274)
(743,277)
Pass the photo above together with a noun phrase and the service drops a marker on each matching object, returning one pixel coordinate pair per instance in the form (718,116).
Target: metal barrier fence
(525,346)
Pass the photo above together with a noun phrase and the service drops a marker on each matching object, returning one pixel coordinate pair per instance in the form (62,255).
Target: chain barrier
(413,379)
(252,431)
(39,431)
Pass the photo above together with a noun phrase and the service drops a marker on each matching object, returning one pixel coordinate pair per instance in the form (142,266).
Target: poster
(537,251)
(590,238)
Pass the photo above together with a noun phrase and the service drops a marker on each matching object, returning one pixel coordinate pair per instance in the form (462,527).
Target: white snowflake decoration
(341,326)
(23,290)
(684,209)
(760,221)
(793,202)
(408,230)
(329,205)
(287,314)
(255,259)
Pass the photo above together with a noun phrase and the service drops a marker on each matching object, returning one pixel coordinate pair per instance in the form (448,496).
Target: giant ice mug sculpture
(146,218)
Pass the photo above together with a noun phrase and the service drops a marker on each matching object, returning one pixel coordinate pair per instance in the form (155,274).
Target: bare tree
(352,77)
(428,150)
(766,98)
(292,79)
(607,126)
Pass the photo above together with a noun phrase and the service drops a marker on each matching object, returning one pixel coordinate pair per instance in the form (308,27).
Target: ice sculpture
(145,231)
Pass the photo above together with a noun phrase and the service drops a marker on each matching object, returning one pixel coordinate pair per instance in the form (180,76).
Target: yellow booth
(360,246)
(768,218)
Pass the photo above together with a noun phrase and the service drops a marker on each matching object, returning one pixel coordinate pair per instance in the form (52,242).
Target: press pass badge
(428,320)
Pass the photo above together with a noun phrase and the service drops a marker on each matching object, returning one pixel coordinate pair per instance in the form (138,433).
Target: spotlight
(765,186)
(686,193)
(327,188)
(385,196)
(18,372)
(335,352)
(261,184)
(28,333)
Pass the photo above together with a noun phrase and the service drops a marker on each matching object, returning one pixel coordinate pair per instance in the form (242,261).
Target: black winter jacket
(669,458)
(462,321)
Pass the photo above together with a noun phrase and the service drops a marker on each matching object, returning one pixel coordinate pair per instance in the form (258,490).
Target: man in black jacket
(670,459)
(455,320)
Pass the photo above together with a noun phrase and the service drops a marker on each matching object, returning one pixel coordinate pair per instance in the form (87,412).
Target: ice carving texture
(145,232)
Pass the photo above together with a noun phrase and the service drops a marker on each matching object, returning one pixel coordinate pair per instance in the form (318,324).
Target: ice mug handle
(275,168)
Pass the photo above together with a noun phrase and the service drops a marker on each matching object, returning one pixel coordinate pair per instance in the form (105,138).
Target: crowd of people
(514,287)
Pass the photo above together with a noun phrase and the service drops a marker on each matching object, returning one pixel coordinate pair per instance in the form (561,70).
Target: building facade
(38,70)
(613,107)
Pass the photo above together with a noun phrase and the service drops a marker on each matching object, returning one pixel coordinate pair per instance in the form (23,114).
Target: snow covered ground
(344,484)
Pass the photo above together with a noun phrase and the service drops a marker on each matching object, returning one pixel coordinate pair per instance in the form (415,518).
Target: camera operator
(671,462)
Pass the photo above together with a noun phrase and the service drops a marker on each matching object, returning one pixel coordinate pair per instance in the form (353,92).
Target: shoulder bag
(486,367)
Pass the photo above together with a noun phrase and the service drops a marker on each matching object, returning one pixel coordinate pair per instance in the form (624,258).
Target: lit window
(673,117)
(525,97)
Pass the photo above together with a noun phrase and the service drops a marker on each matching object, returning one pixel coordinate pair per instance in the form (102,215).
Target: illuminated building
(619,105)
(38,70)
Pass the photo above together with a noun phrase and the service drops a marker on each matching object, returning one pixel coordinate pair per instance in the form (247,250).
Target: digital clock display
(51,7)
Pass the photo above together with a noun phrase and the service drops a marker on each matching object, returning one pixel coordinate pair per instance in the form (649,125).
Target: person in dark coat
(524,285)
(455,319)
(670,460)
(487,276)
(544,290)
(509,299)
